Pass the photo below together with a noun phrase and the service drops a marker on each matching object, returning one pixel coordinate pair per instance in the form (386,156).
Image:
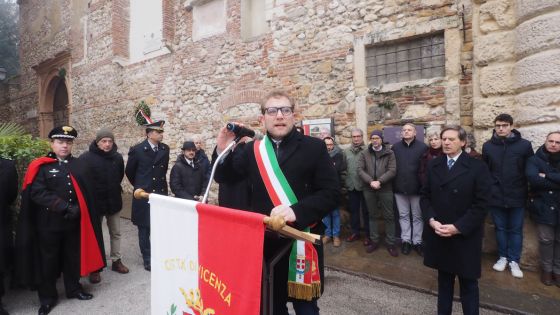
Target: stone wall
(501,56)
(516,51)
(309,50)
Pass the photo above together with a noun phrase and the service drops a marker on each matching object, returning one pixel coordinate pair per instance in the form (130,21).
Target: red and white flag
(205,259)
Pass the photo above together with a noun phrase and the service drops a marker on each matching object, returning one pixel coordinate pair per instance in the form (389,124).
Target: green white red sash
(304,281)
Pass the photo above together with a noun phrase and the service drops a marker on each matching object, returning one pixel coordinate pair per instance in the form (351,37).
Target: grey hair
(355,129)
(432,134)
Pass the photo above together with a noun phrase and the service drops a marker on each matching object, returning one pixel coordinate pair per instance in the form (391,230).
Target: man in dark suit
(8,194)
(454,202)
(310,174)
(187,179)
(147,168)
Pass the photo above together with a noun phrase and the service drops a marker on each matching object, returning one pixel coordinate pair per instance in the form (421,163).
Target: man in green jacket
(354,186)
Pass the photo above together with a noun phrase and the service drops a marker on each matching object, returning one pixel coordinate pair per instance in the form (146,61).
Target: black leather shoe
(45,309)
(82,296)
(372,247)
(406,247)
(148,267)
(419,249)
(393,251)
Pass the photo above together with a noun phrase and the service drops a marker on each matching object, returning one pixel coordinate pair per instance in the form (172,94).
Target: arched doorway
(55,98)
(60,104)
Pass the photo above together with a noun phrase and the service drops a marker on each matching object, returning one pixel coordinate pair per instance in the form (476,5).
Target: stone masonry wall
(516,50)
(501,56)
(309,51)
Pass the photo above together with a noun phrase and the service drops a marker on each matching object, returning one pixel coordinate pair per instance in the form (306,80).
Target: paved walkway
(498,290)
(117,294)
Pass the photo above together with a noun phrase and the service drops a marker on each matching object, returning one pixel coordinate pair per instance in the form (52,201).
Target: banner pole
(218,160)
(274,223)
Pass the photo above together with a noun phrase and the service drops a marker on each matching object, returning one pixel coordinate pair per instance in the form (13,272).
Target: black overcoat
(459,196)
(146,169)
(8,194)
(234,194)
(309,171)
(187,181)
(107,171)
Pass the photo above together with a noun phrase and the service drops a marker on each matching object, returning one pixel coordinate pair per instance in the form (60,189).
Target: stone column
(537,85)
(517,71)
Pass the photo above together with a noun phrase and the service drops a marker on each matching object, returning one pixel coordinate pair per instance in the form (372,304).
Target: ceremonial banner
(205,259)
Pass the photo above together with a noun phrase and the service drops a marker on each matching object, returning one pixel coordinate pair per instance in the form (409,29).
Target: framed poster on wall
(319,128)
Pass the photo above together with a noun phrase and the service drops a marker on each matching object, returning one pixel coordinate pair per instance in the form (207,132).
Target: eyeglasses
(357,136)
(498,126)
(273,111)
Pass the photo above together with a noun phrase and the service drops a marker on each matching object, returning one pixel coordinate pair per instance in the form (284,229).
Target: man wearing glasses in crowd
(308,172)
(506,154)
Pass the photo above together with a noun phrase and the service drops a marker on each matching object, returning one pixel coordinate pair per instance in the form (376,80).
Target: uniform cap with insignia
(142,116)
(156,125)
(63,132)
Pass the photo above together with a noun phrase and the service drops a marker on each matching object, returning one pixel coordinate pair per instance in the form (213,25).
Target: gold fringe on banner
(302,291)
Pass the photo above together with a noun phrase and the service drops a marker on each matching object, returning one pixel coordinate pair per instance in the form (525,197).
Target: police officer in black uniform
(54,197)
(147,168)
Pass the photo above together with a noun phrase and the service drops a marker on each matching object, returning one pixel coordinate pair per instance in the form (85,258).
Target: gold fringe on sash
(302,291)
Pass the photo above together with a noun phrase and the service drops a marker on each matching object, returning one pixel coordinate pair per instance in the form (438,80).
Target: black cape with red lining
(28,263)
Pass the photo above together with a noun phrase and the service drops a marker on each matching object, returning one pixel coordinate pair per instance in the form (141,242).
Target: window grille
(418,58)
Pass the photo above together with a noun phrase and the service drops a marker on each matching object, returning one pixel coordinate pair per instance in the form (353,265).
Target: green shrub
(22,149)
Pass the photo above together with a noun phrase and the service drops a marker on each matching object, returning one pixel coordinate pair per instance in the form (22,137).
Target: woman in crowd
(434,150)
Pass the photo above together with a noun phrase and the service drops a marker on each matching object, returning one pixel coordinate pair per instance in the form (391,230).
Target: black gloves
(73,212)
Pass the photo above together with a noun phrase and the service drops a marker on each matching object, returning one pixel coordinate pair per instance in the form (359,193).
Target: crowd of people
(441,196)
(439,193)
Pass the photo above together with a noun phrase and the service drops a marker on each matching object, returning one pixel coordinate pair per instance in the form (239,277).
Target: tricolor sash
(304,281)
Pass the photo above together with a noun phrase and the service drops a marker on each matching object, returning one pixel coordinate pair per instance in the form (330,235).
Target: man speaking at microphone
(291,176)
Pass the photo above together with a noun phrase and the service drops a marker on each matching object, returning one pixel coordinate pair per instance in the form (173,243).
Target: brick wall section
(465,83)
(169,21)
(120,28)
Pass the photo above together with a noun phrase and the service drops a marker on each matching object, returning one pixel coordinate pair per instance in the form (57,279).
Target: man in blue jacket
(506,154)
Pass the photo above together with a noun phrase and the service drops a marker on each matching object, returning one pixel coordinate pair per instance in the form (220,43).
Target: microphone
(239,131)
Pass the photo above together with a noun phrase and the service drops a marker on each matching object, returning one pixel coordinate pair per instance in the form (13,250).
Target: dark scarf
(553,158)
